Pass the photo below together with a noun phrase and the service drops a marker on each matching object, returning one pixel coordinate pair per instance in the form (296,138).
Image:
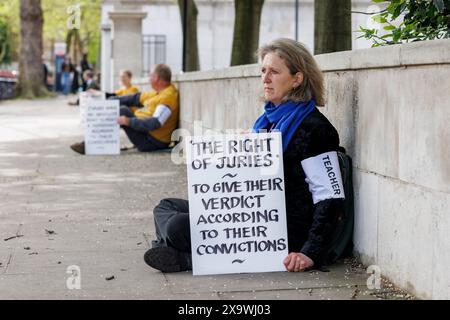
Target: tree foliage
(5,43)
(56,17)
(420,20)
(55,23)
(9,29)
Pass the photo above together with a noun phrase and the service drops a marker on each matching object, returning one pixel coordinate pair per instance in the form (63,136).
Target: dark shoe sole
(165,259)
(78,147)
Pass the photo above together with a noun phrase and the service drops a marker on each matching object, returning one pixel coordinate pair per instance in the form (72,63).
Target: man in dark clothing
(45,74)
(88,77)
(84,64)
(75,80)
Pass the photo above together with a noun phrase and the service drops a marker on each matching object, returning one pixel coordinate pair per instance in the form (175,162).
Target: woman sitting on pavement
(127,86)
(293,89)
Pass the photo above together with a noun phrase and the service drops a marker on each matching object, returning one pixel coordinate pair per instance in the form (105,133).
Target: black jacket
(309,225)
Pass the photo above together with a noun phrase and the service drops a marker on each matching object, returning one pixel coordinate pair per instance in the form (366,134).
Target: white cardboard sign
(236,203)
(101,129)
(84,98)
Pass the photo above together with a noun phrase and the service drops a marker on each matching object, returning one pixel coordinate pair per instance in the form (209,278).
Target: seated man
(150,127)
(88,77)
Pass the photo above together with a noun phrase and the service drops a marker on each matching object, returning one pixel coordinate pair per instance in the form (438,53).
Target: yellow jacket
(150,100)
(130,90)
(124,91)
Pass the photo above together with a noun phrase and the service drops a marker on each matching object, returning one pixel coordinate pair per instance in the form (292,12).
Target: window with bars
(153,51)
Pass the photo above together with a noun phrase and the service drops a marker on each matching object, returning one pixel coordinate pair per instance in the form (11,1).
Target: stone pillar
(106,80)
(127,44)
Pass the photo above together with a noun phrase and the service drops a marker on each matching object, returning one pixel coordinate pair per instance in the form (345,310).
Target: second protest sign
(101,128)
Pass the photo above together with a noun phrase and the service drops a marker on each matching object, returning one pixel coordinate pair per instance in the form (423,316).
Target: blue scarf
(286,118)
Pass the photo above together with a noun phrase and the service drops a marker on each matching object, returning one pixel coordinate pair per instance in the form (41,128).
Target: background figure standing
(76,79)
(44,66)
(84,64)
(65,76)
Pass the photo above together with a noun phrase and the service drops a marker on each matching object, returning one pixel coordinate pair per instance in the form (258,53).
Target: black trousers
(141,140)
(171,217)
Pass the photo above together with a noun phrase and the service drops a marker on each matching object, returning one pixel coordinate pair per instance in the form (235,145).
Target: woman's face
(277,79)
(125,79)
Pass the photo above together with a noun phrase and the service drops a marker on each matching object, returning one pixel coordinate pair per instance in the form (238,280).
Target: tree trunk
(74,45)
(31,70)
(332,26)
(191,60)
(246,31)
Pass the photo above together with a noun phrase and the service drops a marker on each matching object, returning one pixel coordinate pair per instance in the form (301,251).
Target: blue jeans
(65,82)
(142,140)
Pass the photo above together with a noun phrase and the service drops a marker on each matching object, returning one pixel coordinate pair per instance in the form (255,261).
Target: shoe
(73,104)
(128,148)
(168,259)
(78,147)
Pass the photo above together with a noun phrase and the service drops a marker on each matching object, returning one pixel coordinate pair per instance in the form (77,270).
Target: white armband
(323,176)
(162,113)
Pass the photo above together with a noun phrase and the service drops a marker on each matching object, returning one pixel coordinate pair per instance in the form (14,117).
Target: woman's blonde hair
(128,73)
(298,59)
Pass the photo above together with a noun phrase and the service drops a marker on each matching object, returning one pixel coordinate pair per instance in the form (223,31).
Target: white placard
(60,48)
(84,98)
(101,128)
(236,203)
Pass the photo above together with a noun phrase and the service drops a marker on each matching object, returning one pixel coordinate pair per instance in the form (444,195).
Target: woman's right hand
(297,262)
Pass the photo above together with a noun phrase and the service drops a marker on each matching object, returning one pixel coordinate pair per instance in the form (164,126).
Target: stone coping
(416,53)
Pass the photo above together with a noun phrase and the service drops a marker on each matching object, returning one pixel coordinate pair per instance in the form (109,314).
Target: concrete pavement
(60,209)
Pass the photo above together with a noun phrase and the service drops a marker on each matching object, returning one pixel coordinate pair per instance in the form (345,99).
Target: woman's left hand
(297,262)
